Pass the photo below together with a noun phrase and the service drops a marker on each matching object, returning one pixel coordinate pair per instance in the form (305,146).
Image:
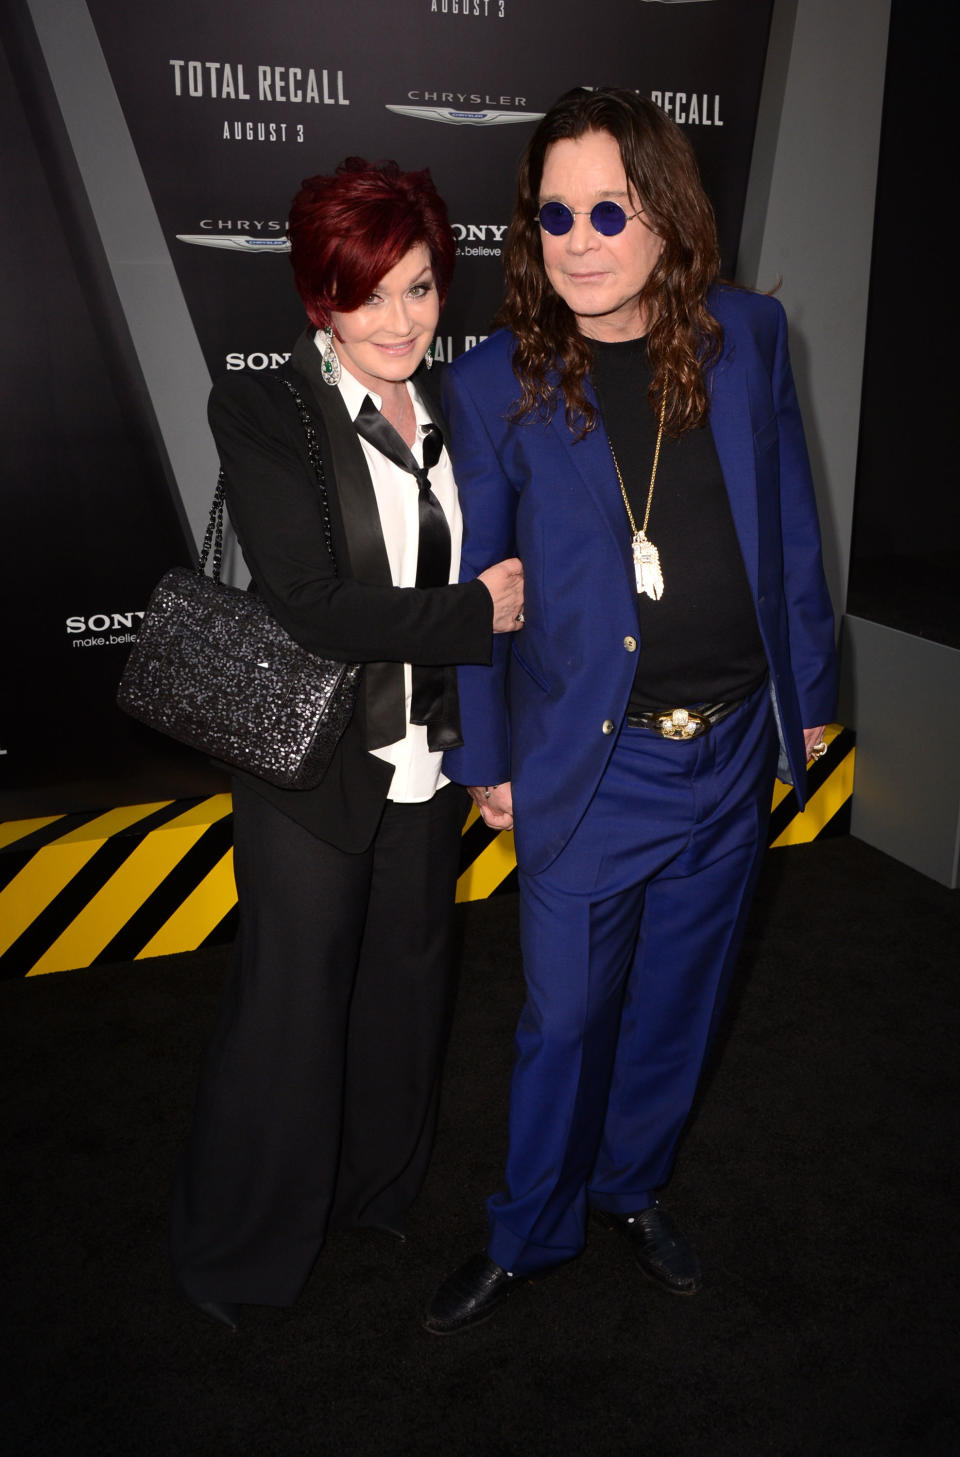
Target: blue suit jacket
(536,715)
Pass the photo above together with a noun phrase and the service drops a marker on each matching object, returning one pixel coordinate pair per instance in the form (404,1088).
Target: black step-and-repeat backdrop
(228,107)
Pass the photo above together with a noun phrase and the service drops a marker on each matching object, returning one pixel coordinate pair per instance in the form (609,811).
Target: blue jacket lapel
(732,426)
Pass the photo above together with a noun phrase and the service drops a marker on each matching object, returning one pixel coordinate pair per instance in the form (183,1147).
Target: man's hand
(495,803)
(813,736)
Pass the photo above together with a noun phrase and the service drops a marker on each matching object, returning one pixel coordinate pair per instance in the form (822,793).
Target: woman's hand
(504,582)
(495,803)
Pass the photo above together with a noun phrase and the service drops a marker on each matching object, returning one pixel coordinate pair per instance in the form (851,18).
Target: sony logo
(256,361)
(478,232)
(103,622)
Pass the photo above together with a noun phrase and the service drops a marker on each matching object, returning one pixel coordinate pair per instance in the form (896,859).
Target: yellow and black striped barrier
(151,879)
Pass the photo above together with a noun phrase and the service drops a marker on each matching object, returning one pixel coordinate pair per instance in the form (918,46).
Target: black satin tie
(434,700)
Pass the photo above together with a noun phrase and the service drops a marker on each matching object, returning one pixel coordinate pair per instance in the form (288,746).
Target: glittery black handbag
(214,669)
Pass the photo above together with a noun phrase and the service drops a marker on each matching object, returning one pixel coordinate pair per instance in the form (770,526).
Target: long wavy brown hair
(684,337)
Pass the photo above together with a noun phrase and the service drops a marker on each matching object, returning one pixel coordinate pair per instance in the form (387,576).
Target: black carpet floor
(817,1180)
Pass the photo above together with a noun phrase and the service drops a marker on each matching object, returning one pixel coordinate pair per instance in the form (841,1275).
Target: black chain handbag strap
(214,533)
(213,536)
(313,450)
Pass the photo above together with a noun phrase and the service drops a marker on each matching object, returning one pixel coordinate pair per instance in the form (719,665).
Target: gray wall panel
(173,367)
(809,221)
(902,695)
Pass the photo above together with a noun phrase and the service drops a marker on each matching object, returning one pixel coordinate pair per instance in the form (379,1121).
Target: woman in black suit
(318,1092)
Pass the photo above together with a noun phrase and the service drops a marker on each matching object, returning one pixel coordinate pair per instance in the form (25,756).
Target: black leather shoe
(223,1311)
(661,1251)
(468,1296)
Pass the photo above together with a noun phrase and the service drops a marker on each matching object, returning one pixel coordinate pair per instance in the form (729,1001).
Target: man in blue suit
(633,435)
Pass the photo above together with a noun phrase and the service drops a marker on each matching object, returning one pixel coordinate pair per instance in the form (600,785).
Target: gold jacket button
(608,725)
(630,643)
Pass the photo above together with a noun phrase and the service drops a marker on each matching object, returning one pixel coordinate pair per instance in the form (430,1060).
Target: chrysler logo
(238,241)
(452,116)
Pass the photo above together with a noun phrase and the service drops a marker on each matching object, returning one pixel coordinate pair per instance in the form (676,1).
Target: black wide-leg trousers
(318,1092)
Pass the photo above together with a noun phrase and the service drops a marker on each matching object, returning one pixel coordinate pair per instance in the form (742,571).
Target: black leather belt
(683,723)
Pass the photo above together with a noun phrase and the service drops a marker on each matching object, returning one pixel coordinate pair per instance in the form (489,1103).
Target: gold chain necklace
(646,558)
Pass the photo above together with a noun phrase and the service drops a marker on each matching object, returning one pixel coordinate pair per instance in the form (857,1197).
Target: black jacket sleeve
(273,501)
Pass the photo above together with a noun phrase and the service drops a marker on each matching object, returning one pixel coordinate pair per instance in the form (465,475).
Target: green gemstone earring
(329,362)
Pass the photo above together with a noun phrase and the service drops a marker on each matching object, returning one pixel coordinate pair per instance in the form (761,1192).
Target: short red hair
(347,231)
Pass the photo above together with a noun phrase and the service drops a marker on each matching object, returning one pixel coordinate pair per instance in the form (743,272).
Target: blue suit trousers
(629,938)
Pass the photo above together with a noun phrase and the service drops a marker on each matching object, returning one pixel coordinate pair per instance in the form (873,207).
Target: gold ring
(818,750)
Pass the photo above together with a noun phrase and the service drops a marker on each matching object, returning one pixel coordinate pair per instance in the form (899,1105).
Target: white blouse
(417,773)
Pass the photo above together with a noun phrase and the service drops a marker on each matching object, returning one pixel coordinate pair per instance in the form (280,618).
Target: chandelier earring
(329,361)
(428,357)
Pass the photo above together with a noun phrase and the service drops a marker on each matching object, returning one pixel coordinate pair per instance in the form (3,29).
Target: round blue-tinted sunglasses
(607,218)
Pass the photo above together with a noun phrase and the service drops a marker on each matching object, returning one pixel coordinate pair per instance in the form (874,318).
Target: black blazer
(356,614)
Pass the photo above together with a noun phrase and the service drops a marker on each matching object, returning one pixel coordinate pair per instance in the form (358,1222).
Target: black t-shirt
(700,642)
